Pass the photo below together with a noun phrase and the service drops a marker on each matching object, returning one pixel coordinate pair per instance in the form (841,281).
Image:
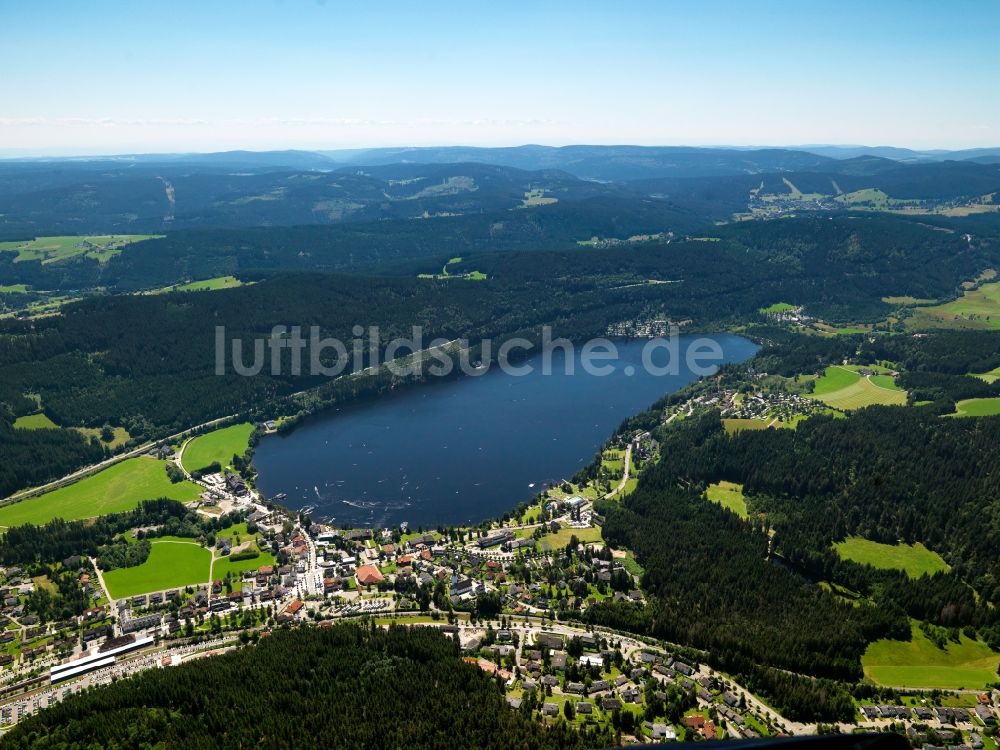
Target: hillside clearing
(218,446)
(912,559)
(919,663)
(118,488)
(728,495)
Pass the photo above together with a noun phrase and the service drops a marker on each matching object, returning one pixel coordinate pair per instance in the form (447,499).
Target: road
(87,470)
(628,466)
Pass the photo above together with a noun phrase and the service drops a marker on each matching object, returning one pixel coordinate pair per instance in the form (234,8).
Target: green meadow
(977,407)
(37,421)
(918,663)
(728,495)
(777,307)
(171,564)
(913,559)
(976,308)
(54,249)
(210,285)
(732,426)
(844,388)
(120,487)
(218,446)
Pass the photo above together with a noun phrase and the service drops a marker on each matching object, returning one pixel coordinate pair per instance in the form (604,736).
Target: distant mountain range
(160,192)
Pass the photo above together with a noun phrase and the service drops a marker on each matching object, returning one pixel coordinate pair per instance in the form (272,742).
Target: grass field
(118,488)
(842,388)
(977,308)
(13,288)
(777,307)
(171,564)
(209,285)
(121,435)
(54,249)
(562,537)
(728,495)
(218,445)
(732,426)
(919,663)
(977,407)
(990,377)
(913,559)
(35,422)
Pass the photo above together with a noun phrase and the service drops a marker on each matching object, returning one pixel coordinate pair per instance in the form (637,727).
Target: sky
(126,77)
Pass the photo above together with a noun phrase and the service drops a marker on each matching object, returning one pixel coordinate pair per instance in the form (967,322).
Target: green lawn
(919,663)
(728,495)
(54,249)
(976,407)
(120,487)
(170,565)
(217,446)
(843,388)
(13,288)
(913,559)
(35,422)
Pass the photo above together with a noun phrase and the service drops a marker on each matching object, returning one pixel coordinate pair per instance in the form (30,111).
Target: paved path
(628,466)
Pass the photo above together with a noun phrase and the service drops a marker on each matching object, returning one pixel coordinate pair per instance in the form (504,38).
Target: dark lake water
(465,449)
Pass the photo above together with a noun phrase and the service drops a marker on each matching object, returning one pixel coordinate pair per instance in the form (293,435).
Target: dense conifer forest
(342,687)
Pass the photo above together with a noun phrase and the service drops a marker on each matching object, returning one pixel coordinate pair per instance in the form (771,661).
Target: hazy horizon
(30,154)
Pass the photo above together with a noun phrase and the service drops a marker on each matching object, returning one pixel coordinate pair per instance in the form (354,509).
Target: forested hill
(883,473)
(391,246)
(339,687)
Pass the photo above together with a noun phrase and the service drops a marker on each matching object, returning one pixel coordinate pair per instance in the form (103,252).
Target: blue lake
(469,448)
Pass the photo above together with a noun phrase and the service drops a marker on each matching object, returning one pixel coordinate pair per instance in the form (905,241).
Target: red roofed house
(368,575)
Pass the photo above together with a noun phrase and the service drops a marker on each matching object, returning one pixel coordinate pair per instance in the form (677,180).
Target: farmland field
(921,664)
(977,407)
(913,559)
(728,495)
(37,421)
(217,446)
(843,388)
(54,249)
(977,308)
(171,564)
(118,488)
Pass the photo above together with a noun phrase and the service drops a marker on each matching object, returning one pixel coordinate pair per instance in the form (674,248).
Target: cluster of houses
(951,715)
(23,637)
(548,670)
